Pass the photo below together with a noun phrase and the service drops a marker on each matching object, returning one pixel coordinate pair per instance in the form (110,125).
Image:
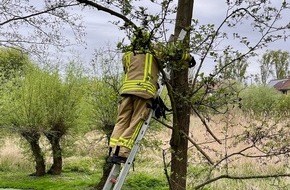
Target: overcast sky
(100,31)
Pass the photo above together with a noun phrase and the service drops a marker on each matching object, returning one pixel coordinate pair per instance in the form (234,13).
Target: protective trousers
(132,112)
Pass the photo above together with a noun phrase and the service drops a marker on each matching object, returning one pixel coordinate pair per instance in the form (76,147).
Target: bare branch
(241,178)
(165,170)
(110,11)
(206,126)
(190,140)
(198,148)
(37,13)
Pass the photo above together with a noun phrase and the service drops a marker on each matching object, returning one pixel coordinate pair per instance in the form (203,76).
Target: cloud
(209,11)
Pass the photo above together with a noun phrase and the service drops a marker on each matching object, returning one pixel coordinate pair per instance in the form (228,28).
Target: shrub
(143,181)
(284,105)
(260,100)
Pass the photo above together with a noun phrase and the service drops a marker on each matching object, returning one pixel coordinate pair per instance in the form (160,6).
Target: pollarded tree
(42,103)
(65,108)
(22,113)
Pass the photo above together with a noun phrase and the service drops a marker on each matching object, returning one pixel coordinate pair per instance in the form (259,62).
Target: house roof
(281,84)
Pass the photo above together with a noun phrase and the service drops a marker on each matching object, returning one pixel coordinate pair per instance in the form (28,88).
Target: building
(282,85)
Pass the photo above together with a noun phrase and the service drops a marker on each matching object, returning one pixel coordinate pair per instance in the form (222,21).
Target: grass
(67,181)
(76,181)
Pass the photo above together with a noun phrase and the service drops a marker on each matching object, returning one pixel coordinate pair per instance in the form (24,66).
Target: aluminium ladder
(118,175)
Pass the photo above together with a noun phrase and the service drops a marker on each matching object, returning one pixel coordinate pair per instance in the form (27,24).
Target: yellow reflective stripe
(151,63)
(135,134)
(123,141)
(137,87)
(130,142)
(133,89)
(139,84)
(134,81)
(143,87)
(146,67)
(113,141)
(185,56)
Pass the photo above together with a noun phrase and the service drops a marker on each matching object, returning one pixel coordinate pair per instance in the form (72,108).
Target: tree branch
(206,126)
(198,148)
(102,8)
(190,140)
(240,178)
(165,170)
(36,14)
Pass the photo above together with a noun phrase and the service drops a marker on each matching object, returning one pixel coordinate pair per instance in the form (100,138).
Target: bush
(260,100)
(143,181)
(284,105)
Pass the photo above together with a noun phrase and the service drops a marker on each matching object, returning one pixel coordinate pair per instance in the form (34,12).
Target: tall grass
(12,158)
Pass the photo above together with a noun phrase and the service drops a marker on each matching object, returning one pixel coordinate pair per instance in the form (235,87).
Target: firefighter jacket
(141,74)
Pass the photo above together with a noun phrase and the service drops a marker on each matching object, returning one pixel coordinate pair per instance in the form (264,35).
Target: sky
(100,31)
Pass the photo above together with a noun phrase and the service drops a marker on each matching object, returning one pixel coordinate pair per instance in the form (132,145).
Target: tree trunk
(108,129)
(106,171)
(33,139)
(54,139)
(181,116)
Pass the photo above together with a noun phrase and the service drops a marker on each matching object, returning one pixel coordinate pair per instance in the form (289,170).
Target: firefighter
(138,91)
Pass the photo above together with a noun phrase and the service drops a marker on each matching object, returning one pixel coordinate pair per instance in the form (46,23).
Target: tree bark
(54,135)
(108,129)
(54,139)
(33,139)
(106,171)
(181,116)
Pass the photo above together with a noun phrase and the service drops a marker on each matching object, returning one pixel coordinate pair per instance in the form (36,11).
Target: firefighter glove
(159,108)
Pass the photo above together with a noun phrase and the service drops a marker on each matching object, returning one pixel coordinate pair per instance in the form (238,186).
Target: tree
(65,109)
(12,63)
(25,118)
(42,103)
(181,109)
(274,63)
(235,71)
(104,93)
(266,69)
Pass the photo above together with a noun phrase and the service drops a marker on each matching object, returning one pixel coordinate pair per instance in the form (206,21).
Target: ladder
(118,174)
